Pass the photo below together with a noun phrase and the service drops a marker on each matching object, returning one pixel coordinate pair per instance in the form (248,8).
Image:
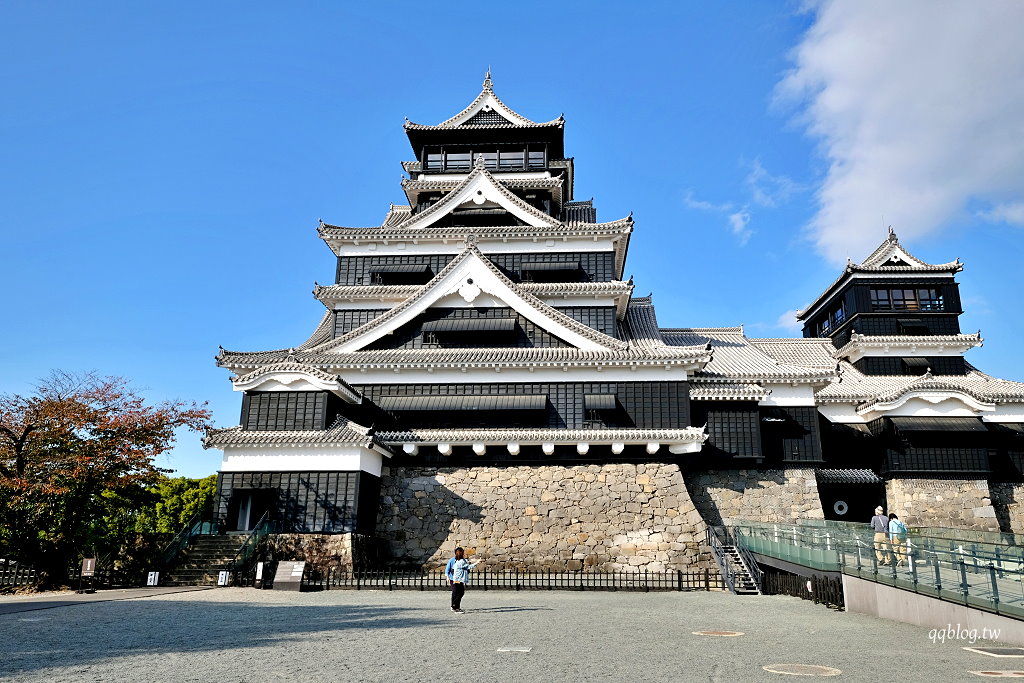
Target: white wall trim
(294,459)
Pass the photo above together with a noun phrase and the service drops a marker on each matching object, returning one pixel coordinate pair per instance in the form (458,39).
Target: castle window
(456,331)
(555,271)
(834,318)
(915,366)
(401,274)
(906,300)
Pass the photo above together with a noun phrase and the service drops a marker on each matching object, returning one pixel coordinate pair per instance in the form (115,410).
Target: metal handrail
(747,557)
(718,551)
(181,539)
(243,557)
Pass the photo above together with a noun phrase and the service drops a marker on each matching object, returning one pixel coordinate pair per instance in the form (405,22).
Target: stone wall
(621,516)
(320,551)
(789,495)
(955,503)
(1006,501)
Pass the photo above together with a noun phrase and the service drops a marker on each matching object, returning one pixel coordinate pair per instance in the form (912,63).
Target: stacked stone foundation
(777,495)
(954,503)
(611,517)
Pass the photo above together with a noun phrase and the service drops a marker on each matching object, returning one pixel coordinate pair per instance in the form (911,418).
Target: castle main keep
(483,376)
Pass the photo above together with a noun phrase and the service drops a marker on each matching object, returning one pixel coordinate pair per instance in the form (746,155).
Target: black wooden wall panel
(733,427)
(286,410)
(649,405)
(790,434)
(595,266)
(884,365)
(347,320)
(309,502)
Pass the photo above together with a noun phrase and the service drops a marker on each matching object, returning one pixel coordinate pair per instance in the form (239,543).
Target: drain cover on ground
(999,674)
(802,670)
(514,649)
(998,651)
(727,634)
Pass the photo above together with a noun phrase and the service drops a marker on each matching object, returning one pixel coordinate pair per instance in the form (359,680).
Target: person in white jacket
(459,577)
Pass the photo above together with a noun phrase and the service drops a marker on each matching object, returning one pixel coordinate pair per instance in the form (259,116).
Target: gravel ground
(240,634)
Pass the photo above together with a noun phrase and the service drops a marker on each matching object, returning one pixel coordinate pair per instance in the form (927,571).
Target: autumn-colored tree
(70,449)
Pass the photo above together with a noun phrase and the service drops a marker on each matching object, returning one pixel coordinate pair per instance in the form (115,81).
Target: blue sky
(164,166)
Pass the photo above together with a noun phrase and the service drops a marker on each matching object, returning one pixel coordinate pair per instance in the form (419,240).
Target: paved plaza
(241,634)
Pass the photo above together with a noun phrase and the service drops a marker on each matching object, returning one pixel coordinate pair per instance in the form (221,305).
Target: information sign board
(289,575)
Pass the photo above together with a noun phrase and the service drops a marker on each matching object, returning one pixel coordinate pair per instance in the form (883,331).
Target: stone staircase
(200,562)
(744,582)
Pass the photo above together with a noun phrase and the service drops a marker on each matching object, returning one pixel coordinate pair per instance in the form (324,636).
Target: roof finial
(892,235)
(487,78)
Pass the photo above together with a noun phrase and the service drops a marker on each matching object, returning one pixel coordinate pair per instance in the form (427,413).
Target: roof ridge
(486,101)
(471,250)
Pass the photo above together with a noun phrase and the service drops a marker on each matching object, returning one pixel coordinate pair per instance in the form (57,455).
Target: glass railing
(974,570)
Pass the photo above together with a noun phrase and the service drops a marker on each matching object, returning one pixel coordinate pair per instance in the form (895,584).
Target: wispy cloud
(738,224)
(788,322)
(692,202)
(736,219)
(917,106)
(767,189)
(764,189)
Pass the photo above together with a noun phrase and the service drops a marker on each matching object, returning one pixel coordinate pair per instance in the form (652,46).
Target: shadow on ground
(87,633)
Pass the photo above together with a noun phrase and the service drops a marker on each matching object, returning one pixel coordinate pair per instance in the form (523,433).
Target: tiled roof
(487,100)
(388,294)
(813,352)
(341,433)
(860,341)
(616,227)
(642,346)
(867,390)
(324,332)
(471,250)
(288,367)
(836,476)
(451,200)
(726,391)
(429,185)
(397,214)
(291,366)
(413,188)
(734,357)
(528,436)
(881,261)
(503,357)
(328,293)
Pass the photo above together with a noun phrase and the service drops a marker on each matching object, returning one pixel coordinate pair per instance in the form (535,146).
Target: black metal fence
(512,579)
(15,575)
(821,590)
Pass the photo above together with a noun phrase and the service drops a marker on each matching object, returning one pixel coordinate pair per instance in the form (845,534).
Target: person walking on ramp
(880,523)
(457,572)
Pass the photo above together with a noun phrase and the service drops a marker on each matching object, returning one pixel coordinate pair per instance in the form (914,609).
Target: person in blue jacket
(457,572)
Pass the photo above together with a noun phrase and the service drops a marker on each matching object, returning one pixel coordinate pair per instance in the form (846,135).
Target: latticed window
(927,299)
(834,319)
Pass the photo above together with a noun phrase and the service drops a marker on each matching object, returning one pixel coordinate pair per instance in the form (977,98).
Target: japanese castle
(486,324)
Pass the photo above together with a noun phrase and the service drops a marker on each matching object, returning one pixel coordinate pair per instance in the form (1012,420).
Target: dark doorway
(247,507)
(851,502)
